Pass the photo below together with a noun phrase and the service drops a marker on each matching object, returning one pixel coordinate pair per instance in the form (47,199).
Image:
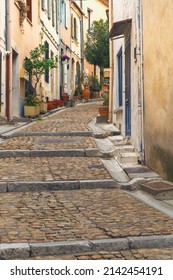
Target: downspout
(8,60)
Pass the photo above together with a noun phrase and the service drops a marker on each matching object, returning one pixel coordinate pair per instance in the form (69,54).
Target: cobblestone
(51,169)
(72,215)
(47,143)
(72,119)
(77,215)
(145,254)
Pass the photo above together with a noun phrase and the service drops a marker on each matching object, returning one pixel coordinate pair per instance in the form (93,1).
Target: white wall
(122,10)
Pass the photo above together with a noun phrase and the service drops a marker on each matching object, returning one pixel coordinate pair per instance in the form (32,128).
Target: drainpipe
(8,60)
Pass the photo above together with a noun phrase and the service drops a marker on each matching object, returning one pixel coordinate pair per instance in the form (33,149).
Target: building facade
(49,36)
(158,86)
(126,108)
(141,88)
(3,54)
(23,35)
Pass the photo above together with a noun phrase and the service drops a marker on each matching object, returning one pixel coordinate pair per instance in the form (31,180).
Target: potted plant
(77,93)
(86,87)
(31,107)
(104,109)
(43,107)
(95,86)
(36,66)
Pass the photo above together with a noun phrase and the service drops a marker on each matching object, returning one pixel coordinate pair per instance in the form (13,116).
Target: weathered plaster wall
(158,85)
(23,39)
(2,49)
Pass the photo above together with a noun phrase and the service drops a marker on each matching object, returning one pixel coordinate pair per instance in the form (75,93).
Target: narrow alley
(61,199)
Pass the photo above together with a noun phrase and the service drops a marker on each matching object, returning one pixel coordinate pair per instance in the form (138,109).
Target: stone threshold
(29,250)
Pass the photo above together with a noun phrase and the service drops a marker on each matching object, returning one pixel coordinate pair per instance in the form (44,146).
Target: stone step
(124,149)
(116,138)
(104,145)
(115,170)
(127,158)
(119,140)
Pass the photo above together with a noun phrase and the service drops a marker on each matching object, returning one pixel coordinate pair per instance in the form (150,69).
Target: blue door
(128,89)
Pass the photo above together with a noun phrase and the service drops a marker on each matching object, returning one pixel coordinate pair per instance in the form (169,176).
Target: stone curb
(34,186)
(23,186)
(27,250)
(9,133)
(65,133)
(93,152)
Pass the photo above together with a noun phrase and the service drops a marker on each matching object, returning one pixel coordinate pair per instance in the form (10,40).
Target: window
(43,5)
(53,12)
(29,13)
(57,16)
(89,18)
(74,28)
(120,78)
(47,57)
(49,8)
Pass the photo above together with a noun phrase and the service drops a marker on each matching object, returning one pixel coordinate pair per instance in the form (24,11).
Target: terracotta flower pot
(86,93)
(65,98)
(103,110)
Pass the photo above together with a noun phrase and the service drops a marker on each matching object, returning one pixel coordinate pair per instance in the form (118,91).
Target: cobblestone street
(48,217)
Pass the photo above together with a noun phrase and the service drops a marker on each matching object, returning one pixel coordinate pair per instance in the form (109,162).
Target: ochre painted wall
(158,85)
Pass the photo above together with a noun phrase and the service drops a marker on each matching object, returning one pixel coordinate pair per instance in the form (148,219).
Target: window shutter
(72,26)
(75,28)
(49,8)
(57,16)
(47,57)
(77,31)
(43,5)
(67,15)
(29,13)
(53,12)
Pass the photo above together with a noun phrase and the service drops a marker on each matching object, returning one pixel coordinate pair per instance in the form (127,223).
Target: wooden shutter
(49,8)
(29,13)
(53,12)
(57,16)
(47,57)
(43,5)
(72,26)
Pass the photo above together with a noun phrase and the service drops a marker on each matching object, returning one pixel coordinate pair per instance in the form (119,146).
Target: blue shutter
(120,78)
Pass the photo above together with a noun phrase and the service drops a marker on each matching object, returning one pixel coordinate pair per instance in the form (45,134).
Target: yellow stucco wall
(158,85)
